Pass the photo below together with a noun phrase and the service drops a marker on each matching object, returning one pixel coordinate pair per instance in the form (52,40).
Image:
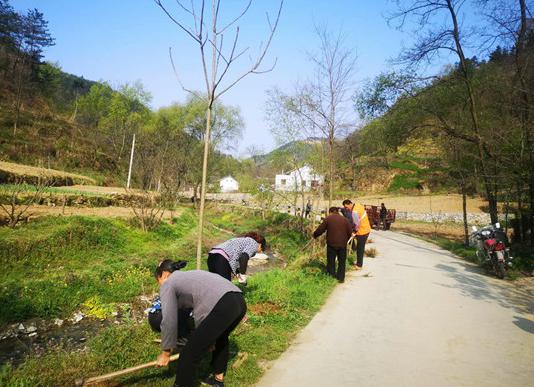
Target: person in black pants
(218,307)
(338,233)
(383,216)
(231,257)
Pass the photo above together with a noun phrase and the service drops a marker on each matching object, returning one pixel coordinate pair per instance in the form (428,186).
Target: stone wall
(443,217)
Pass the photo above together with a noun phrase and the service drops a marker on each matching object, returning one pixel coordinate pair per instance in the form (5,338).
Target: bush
(371,252)
(404,182)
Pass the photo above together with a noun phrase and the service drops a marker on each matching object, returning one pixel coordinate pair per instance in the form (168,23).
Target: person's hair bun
(178,265)
(169,266)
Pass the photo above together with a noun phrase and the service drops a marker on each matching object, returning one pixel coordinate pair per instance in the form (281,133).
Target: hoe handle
(116,374)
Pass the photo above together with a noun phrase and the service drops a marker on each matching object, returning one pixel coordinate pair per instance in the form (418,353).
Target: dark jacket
(348,215)
(338,230)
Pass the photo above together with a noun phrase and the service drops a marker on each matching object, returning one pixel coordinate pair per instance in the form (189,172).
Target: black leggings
(215,328)
(219,264)
(360,248)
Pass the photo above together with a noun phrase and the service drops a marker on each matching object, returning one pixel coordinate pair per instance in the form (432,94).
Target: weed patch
(96,264)
(371,252)
(280,303)
(54,265)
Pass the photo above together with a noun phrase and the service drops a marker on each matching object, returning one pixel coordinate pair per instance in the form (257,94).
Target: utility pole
(131,162)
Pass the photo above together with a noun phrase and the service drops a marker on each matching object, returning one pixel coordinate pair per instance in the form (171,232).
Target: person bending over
(231,257)
(217,308)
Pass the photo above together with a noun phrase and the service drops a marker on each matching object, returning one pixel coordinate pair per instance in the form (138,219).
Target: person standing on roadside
(383,216)
(308,209)
(359,221)
(338,233)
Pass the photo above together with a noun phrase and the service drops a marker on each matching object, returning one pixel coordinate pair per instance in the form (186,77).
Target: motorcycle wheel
(500,269)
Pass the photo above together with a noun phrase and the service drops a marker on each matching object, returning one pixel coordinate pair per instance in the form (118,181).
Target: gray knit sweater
(196,289)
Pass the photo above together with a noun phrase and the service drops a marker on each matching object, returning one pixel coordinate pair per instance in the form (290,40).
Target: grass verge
(54,265)
(280,303)
(112,261)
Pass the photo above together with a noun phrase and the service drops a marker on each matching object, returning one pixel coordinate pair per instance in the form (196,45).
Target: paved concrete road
(420,317)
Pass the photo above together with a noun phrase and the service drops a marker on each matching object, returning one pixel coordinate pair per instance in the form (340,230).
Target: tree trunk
(521,63)
(520,213)
(473,110)
(204,180)
(464,212)
(331,162)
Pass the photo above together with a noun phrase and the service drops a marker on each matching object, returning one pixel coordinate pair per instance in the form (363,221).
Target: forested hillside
(469,129)
(53,119)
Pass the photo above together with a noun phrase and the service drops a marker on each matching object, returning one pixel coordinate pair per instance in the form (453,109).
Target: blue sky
(128,40)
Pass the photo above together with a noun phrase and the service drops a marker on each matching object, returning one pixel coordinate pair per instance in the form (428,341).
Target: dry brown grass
(263,308)
(105,212)
(452,231)
(37,172)
(371,252)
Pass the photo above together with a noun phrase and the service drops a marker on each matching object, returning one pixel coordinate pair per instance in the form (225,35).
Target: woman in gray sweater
(218,307)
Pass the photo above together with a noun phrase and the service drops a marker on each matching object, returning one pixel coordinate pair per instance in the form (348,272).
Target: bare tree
(148,208)
(448,38)
(292,131)
(217,59)
(16,199)
(324,101)
(509,25)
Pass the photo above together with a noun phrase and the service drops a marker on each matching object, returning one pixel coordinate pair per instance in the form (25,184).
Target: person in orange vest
(357,217)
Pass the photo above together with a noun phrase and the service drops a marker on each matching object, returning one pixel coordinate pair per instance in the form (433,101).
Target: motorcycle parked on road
(492,248)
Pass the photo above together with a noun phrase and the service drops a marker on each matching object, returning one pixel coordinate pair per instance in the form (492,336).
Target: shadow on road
(524,324)
(471,282)
(437,250)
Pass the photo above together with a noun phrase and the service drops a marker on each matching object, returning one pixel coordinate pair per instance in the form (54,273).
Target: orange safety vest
(365,226)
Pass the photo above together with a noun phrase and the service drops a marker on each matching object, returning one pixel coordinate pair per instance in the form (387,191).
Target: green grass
(61,262)
(458,248)
(279,229)
(50,190)
(54,265)
(292,296)
(404,165)
(404,182)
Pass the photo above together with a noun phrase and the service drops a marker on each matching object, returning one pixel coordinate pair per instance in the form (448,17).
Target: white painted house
(229,184)
(303,178)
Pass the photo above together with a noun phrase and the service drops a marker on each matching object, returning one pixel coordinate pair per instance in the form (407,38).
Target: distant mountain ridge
(290,147)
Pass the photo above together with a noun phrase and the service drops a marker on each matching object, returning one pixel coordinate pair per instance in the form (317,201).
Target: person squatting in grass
(338,233)
(217,308)
(185,322)
(231,257)
(359,221)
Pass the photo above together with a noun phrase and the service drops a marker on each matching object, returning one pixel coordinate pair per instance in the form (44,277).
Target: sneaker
(356,267)
(211,381)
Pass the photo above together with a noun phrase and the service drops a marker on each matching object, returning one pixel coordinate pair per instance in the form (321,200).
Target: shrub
(371,252)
